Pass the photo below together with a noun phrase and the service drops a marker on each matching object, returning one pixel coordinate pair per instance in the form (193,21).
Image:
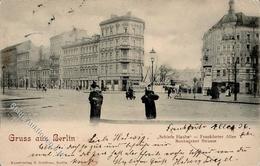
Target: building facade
(81,62)
(121,51)
(56,52)
(9,62)
(18,59)
(27,56)
(232,43)
(40,74)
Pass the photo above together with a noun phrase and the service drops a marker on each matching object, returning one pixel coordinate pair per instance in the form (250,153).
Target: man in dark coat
(214,92)
(148,100)
(96,100)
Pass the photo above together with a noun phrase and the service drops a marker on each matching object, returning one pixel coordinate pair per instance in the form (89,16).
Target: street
(71,105)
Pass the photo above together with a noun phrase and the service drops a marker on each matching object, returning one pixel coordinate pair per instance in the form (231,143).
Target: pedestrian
(148,100)
(214,92)
(96,100)
(228,93)
(169,92)
(130,94)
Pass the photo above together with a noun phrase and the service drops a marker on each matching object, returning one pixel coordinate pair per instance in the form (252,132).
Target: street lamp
(194,87)
(152,52)
(3,68)
(235,80)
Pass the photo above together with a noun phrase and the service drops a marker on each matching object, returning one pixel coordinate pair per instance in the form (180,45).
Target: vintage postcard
(129,82)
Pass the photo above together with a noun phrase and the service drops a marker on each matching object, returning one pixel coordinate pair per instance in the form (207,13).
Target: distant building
(187,75)
(40,74)
(232,42)
(56,43)
(18,59)
(121,51)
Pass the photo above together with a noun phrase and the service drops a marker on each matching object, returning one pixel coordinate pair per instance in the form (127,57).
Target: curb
(217,101)
(163,122)
(30,98)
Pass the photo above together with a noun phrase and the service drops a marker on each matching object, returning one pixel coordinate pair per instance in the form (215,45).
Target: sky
(174,28)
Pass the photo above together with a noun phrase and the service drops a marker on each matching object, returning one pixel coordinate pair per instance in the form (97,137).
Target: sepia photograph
(129,82)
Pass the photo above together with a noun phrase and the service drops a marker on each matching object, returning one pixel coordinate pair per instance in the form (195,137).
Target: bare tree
(166,72)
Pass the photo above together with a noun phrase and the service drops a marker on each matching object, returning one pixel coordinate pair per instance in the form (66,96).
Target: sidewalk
(241,98)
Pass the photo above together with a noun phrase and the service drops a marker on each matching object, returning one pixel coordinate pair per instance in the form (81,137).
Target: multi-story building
(9,62)
(81,62)
(18,59)
(121,51)
(27,56)
(232,43)
(56,43)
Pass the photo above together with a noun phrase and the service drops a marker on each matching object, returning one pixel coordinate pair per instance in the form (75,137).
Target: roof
(127,17)
(74,30)
(82,42)
(14,46)
(240,19)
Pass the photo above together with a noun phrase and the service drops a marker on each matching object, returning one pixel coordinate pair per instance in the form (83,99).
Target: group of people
(214,92)
(42,87)
(96,100)
(172,90)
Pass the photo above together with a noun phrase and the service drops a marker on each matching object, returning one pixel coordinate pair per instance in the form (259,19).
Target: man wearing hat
(96,100)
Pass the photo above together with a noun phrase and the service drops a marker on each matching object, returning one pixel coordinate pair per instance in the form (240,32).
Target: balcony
(124,47)
(206,63)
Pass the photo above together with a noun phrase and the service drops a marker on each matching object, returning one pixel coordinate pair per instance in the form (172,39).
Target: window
(257,35)
(228,60)
(217,60)
(124,66)
(116,54)
(247,59)
(247,85)
(124,53)
(224,72)
(116,68)
(218,72)
(247,71)
(117,27)
(125,29)
(248,37)
(238,60)
(248,47)
(238,37)
(111,30)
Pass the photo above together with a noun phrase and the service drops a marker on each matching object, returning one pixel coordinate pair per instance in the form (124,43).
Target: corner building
(121,51)
(233,42)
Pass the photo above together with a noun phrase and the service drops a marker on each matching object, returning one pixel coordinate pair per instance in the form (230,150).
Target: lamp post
(194,87)
(3,68)
(235,80)
(152,52)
